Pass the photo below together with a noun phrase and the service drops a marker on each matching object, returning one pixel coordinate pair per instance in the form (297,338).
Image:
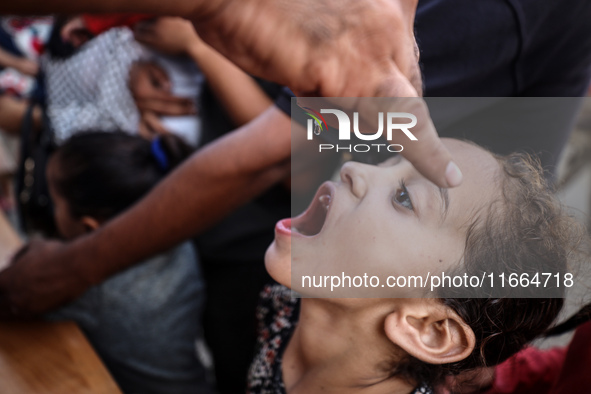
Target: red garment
(575,376)
(555,371)
(529,371)
(98,24)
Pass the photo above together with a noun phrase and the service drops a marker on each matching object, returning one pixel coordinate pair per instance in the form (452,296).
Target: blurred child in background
(144,322)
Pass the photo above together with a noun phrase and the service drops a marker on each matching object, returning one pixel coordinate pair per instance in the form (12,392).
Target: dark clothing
(503,48)
(232,259)
(507,48)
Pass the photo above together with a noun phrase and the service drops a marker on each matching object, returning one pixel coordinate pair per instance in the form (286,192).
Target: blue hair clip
(159,154)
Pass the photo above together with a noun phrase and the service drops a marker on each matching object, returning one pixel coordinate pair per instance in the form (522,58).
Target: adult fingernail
(453,175)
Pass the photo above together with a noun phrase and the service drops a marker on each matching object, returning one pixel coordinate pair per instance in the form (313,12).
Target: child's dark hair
(100,174)
(526,230)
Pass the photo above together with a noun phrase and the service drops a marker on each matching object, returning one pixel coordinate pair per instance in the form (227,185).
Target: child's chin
(278,264)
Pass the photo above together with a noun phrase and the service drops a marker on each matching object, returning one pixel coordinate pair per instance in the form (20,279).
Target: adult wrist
(194,50)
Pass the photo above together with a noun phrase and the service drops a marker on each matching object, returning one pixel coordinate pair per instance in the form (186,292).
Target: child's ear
(430,331)
(90,224)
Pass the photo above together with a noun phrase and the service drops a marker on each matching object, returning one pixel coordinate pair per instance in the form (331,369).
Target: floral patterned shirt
(277,316)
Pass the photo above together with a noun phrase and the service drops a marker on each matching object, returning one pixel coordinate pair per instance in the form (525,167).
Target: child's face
(386,220)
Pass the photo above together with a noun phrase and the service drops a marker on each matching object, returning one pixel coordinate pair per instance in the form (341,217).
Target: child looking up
(390,220)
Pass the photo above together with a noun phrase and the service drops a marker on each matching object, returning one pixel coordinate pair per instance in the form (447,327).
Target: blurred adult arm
(331,48)
(213,182)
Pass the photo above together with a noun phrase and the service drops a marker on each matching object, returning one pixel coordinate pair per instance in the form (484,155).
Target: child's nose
(355,176)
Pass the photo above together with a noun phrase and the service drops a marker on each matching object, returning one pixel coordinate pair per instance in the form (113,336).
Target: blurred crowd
(160,93)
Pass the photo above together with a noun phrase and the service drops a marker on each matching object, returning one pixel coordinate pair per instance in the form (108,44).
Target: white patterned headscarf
(89,90)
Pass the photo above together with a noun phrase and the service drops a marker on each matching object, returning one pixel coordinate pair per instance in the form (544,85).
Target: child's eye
(402,197)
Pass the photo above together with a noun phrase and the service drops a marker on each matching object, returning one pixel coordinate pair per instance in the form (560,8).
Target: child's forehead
(396,158)
(478,165)
(465,150)
(481,185)
(473,160)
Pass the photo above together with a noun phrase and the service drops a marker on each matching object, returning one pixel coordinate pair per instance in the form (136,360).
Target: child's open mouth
(312,221)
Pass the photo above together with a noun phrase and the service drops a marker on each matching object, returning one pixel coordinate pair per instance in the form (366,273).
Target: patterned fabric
(89,89)
(278,315)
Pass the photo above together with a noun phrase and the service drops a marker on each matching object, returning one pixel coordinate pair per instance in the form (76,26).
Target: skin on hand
(36,280)
(332,48)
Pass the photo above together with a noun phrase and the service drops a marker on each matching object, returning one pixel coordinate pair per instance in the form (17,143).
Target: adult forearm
(212,183)
(237,91)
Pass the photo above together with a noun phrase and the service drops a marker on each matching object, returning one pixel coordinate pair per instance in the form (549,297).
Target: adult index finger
(422,145)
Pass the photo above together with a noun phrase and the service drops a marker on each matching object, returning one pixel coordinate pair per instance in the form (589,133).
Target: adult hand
(150,87)
(173,36)
(27,281)
(332,48)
